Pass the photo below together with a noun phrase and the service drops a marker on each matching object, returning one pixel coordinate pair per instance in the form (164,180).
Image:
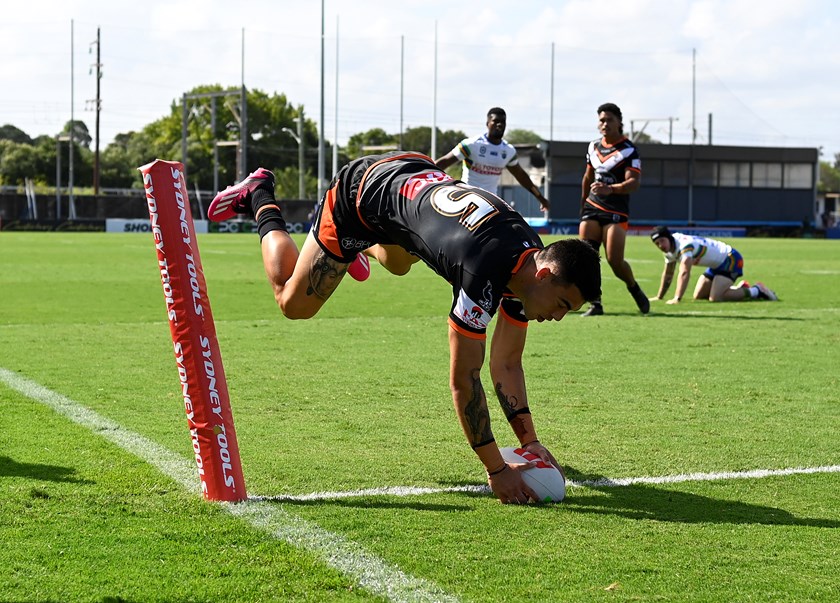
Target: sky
(744,73)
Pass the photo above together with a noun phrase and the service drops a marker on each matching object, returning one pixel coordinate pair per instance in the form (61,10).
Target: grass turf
(358,398)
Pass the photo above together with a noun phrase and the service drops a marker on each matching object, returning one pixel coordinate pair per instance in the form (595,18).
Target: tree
(81,135)
(420,139)
(644,138)
(268,145)
(287,184)
(37,161)
(356,144)
(829,177)
(10,132)
(518,136)
(18,162)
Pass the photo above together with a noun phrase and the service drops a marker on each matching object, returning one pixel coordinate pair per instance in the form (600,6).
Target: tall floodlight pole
(97,109)
(547,191)
(434,100)
(71,204)
(321,122)
(184,117)
(243,126)
(402,85)
(335,126)
(301,184)
(693,135)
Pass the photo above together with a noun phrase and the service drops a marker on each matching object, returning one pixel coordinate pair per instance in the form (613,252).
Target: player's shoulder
(682,237)
(628,147)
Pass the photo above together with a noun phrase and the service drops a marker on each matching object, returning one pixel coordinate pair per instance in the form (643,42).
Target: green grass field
(358,398)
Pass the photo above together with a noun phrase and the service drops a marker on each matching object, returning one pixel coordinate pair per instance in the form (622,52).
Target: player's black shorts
(602,216)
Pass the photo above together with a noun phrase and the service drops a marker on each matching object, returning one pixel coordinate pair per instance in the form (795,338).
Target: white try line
(603,482)
(370,572)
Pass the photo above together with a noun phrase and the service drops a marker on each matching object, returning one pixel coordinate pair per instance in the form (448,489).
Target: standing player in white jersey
(724,265)
(484,157)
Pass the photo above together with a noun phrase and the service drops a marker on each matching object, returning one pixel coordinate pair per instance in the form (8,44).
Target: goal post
(197,355)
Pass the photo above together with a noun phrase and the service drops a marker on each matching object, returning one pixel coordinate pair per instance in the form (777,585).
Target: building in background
(685,184)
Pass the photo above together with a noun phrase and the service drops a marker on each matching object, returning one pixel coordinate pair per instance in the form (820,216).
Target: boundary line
(370,572)
(603,482)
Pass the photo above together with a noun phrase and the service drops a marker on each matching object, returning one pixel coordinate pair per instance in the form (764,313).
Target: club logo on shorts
(352,244)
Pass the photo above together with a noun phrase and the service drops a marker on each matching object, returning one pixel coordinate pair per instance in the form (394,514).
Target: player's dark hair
(663,231)
(659,232)
(577,264)
(496,111)
(611,108)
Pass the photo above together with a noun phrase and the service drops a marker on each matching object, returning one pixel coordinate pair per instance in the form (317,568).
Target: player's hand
(545,454)
(673,301)
(601,189)
(509,487)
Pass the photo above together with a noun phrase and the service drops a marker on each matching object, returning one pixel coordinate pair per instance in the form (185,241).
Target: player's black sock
(270,219)
(261,197)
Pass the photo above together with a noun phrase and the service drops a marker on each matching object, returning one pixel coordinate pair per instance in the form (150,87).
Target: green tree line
(269,144)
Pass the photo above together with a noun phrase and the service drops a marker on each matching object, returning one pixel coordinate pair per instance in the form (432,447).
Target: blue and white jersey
(484,161)
(700,251)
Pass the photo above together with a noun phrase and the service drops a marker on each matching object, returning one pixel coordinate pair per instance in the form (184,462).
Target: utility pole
(321,125)
(301,187)
(97,104)
(71,206)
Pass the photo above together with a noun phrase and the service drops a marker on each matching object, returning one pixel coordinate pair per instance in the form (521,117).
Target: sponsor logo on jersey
(481,168)
(470,313)
(414,185)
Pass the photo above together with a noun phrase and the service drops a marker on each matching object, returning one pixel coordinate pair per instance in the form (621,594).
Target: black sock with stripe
(270,218)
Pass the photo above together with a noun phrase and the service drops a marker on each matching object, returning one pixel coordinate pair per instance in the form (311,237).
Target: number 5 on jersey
(470,208)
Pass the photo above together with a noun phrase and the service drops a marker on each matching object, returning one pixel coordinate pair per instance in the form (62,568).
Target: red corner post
(202,376)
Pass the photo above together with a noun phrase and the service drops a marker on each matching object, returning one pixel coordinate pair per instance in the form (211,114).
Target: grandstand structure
(687,185)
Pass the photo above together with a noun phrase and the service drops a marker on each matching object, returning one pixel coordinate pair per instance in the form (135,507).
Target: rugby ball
(544,478)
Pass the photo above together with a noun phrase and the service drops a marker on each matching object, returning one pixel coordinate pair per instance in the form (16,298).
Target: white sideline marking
(603,482)
(346,556)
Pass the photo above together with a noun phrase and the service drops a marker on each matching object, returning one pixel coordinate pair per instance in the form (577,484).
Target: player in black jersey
(613,171)
(400,208)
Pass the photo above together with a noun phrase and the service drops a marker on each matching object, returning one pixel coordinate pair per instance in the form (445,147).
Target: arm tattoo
(510,404)
(324,275)
(477,414)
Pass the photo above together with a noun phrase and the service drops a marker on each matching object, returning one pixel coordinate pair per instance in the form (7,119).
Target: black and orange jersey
(610,164)
(470,237)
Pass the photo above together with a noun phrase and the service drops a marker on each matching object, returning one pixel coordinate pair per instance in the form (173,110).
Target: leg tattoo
(325,275)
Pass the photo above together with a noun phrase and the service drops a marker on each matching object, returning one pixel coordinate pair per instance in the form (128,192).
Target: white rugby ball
(544,478)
